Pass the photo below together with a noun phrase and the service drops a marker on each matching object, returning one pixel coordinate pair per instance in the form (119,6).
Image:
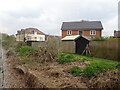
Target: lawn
(96,66)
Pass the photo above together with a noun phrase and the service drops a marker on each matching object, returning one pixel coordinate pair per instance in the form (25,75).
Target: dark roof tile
(82,25)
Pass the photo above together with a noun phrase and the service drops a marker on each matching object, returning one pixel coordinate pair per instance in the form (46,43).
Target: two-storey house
(83,28)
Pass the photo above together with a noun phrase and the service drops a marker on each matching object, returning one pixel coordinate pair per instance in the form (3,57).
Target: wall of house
(117,34)
(20,37)
(64,33)
(30,37)
(85,33)
(35,37)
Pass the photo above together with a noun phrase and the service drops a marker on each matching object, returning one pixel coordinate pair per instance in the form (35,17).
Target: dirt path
(11,78)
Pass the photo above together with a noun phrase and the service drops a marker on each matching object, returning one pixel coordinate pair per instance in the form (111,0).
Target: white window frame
(92,32)
(69,32)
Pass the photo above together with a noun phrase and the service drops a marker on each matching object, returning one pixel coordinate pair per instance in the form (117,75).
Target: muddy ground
(55,75)
(12,79)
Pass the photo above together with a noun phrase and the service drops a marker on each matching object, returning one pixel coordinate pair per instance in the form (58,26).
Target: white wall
(30,37)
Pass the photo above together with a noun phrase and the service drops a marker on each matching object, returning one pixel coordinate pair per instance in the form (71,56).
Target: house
(117,34)
(48,37)
(30,35)
(83,28)
(74,44)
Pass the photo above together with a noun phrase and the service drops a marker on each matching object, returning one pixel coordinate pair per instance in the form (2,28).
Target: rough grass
(67,57)
(76,70)
(24,49)
(96,66)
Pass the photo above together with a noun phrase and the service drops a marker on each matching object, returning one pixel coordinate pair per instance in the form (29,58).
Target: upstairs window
(92,32)
(69,32)
(34,32)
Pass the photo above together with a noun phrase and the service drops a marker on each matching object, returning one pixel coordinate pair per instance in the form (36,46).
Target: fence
(105,49)
(101,49)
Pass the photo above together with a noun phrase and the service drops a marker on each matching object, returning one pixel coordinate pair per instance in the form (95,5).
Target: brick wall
(85,33)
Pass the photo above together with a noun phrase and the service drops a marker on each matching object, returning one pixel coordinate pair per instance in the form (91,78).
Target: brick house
(30,34)
(117,34)
(83,28)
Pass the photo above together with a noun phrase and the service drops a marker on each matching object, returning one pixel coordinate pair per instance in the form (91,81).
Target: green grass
(76,70)
(24,49)
(67,57)
(96,66)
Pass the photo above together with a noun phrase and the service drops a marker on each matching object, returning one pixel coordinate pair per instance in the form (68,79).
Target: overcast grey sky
(48,15)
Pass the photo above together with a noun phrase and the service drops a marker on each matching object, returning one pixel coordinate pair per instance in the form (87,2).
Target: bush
(90,55)
(8,41)
(62,58)
(100,39)
(18,46)
(68,57)
(24,49)
(97,66)
(76,70)
(52,48)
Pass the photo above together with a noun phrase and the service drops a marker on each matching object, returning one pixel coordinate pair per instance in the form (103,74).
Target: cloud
(48,15)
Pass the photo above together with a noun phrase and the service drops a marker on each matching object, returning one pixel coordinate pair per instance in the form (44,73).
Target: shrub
(18,46)
(52,48)
(67,57)
(62,58)
(24,49)
(90,55)
(97,66)
(8,41)
(76,70)
(100,39)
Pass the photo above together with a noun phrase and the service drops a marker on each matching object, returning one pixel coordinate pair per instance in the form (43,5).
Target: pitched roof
(31,31)
(82,25)
(72,37)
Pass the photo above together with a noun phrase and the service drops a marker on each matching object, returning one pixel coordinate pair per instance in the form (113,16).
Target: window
(29,37)
(35,37)
(69,32)
(79,32)
(92,32)
(41,39)
(34,32)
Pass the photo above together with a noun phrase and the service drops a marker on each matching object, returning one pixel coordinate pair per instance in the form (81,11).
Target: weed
(67,57)
(24,49)
(96,66)
(100,39)
(62,58)
(76,70)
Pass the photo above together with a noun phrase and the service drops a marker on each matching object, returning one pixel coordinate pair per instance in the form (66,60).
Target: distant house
(83,28)
(48,37)
(30,34)
(117,34)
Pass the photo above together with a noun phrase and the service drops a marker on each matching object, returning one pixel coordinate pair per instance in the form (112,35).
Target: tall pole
(1,62)
(119,16)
